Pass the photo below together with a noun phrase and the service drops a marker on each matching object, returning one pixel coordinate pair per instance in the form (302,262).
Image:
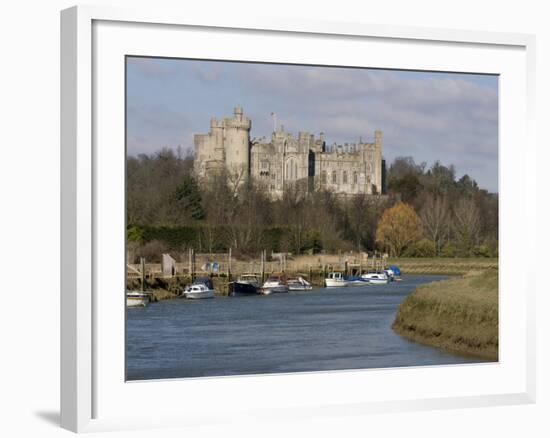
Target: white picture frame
(87,314)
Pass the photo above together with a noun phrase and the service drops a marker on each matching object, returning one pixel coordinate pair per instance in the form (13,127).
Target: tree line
(427,212)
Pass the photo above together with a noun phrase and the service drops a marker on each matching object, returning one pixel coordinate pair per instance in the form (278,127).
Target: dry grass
(452,266)
(459,314)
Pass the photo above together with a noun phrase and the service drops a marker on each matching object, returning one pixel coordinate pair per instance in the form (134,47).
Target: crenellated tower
(226,146)
(237,142)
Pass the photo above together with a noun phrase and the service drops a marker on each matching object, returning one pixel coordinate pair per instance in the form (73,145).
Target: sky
(429,116)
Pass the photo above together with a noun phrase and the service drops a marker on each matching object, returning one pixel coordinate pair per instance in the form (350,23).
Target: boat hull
(274,290)
(241,289)
(137,300)
(378,281)
(376,278)
(199,295)
(329,282)
(358,283)
(298,287)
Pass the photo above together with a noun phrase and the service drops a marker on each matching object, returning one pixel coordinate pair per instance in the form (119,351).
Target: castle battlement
(351,168)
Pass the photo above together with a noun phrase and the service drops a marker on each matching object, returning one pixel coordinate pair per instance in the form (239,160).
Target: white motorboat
(198,291)
(136,299)
(276,283)
(357,281)
(335,279)
(299,283)
(376,277)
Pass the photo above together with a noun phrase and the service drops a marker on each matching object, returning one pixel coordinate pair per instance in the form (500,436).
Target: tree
(398,227)
(435,217)
(404,178)
(188,200)
(466,225)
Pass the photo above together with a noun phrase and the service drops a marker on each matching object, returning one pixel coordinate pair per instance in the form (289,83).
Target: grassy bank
(444,266)
(460,314)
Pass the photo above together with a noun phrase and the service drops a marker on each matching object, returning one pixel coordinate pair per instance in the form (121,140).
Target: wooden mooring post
(192,264)
(229,266)
(263,257)
(142,262)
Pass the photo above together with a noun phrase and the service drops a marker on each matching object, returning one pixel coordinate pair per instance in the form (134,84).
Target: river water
(323,329)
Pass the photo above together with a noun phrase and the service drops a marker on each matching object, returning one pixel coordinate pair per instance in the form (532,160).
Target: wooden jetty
(224,268)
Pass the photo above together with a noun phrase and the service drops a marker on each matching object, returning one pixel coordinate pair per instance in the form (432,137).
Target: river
(323,329)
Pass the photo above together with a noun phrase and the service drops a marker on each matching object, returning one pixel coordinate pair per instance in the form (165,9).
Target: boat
(276,283)
(356,281)
(394,273)
(247,284)
(136,299)
(376,277)
(198,291)
(335,279)
(299,283)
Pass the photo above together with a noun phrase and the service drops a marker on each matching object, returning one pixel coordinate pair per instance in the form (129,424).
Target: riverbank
(159,289)
(459,314)
(443,265)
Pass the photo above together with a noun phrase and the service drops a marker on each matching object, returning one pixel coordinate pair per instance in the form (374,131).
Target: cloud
(150,67)
(453,118)
(208,72)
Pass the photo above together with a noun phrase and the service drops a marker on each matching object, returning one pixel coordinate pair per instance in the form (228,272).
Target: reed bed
(459,314)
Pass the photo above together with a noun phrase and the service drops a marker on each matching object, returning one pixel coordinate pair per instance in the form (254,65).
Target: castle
(286,160)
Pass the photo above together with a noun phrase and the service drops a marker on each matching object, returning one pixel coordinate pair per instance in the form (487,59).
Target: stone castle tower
(347,169)
(227,145)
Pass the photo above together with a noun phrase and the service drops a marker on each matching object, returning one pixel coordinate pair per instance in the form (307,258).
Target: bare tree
(466,225)
(435,217)
(236,177)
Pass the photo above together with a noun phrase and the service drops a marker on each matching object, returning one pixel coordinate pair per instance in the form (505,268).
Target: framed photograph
(266,218)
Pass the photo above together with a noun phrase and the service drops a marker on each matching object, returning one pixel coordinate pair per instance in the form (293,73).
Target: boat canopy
(395,269)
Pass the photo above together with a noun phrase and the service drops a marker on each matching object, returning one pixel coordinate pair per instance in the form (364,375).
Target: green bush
(422,248)
(481,251)
(448,250)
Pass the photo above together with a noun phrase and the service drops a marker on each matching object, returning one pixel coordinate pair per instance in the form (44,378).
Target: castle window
(345,177)
(324,177)
(354,177)
(334,177)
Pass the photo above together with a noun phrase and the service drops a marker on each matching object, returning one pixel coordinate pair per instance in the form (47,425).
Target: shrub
(481,251)
(422,248)
(151,251)
(448,250)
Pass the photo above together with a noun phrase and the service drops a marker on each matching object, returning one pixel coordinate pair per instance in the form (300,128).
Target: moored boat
(198,291)
(247,284)
(356,281)
(276,283)
(298,283)
(394,273)
(136,299)
(376,277)
(335,279)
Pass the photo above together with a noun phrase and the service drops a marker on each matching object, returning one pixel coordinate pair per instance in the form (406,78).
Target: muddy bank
(459,314)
